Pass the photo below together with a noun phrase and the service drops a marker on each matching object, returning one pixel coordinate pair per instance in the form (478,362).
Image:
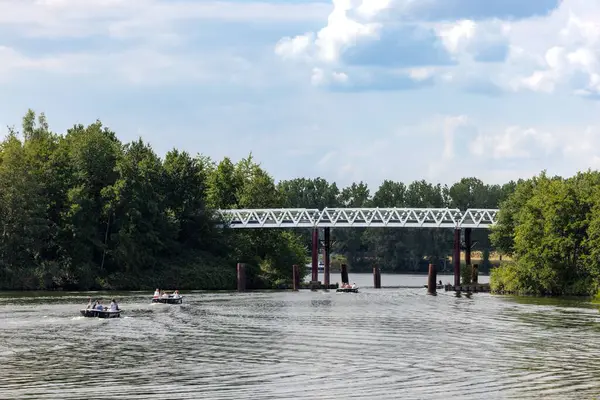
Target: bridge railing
(359,217)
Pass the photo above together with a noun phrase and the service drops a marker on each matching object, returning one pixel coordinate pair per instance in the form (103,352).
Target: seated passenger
(354,285)
(164,295)
(89,304)
(175,294)
(114,306)
(99,306)
(156,294)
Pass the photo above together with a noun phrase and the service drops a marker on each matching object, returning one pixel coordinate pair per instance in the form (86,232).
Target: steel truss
(359,217)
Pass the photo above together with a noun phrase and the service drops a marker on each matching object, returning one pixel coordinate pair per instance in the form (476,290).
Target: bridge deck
(359,217)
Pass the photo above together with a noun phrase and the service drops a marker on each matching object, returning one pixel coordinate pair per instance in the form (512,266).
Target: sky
(347,90)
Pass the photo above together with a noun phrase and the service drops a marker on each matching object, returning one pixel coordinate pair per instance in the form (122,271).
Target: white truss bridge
(359,217)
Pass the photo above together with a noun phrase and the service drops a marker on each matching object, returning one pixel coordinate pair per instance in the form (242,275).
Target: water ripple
(384,344)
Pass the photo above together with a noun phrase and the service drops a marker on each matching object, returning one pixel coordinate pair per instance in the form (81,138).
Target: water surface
(378,344)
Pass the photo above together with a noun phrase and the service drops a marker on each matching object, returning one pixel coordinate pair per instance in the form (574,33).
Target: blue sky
(348,90)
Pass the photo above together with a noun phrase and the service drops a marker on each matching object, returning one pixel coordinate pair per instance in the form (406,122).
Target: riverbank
(514,279)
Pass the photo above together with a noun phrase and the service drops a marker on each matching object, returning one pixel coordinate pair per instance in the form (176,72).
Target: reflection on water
(391,280)
(383,344)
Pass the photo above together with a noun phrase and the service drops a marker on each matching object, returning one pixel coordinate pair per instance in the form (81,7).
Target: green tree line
(82,210)
(551,227)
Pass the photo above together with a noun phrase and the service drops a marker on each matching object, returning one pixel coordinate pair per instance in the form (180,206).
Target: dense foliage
(551,227)
(83,210)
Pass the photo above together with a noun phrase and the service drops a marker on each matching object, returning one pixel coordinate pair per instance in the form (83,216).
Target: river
(377,344)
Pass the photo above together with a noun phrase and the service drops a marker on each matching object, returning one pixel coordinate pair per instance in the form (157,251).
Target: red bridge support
(468,246)
(376,277)
(295,278)
(432,280)
(241,277)
(326,255)
(456,257)
(315,255)
(344,273)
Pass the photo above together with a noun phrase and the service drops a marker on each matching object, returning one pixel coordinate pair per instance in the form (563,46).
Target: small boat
(168,300)
(92,313)
(347,290)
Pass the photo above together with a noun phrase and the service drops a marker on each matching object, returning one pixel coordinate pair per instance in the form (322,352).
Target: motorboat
(95,313)
(168,300)
(347,290)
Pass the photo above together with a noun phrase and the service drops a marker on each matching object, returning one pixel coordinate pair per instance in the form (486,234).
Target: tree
(549,226)
(22,217)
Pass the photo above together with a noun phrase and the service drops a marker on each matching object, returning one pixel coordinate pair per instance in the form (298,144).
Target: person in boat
(89,304)
(175,294)
(440,283)
(156,294)
(164,295)
(114,306)
(99,306)
(353,285)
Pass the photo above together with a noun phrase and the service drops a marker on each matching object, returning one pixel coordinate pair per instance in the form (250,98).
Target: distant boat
(168,300)
(92,313)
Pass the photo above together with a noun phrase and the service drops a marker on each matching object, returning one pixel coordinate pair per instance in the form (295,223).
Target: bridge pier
(326,254)
(315,255)
(468,244)
(432,280)
(295,278)
(344,274)
(456,257)
(376,277)
(241,277)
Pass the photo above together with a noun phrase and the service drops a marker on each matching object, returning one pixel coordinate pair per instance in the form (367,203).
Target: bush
(465,274)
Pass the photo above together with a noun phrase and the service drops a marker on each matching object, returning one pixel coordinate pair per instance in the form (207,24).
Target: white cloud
(544,53)
(584,151)
(137,66)
(134,41)
(516,142)
(132,17)
(474,39)
(322,77)
(451,124)
(340,32)
(447,148)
